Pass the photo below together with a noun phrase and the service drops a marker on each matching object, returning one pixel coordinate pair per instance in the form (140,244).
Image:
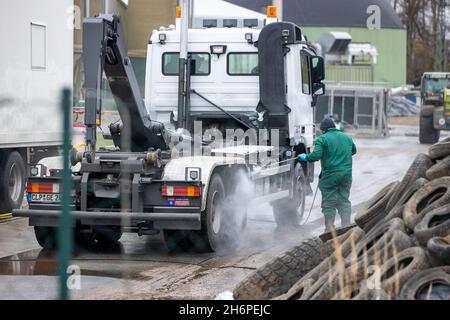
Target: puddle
(39,262)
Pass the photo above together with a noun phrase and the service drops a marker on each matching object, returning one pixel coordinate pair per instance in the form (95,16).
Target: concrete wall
(391,45)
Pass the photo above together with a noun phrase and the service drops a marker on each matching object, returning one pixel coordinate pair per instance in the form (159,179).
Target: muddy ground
(142,268)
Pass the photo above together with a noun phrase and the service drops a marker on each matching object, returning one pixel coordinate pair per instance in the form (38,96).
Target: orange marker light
(178,12)
(271,11)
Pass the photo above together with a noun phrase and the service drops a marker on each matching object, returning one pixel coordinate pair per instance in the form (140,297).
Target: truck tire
(46,237)
(397,211)
(427,133)
(212,234)
(381,243)
(440,149)
(440,169)
(431,283)
(89,239)
(404,265)
(367,219)
(439,249)
(431,196)
(297,290)
(435,223)
(416,170)
(177,240)
(12,182)
(359,291)
(279,275)
(289,212)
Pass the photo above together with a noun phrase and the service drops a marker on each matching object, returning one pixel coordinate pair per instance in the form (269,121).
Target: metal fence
(361,107)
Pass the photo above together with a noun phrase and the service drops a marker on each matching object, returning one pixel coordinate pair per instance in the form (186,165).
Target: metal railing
(362,107)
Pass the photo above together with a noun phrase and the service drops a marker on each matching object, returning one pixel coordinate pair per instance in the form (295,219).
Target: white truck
(169,170)
(36,61)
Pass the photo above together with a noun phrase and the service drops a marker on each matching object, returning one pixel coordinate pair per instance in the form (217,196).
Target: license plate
(44,197)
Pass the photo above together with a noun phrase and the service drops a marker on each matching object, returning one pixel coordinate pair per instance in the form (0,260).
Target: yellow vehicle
(435,110)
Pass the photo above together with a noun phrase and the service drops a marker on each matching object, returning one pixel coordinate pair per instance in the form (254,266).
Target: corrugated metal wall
(338,73)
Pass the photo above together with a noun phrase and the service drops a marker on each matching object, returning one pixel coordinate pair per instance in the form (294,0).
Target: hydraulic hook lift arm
(105,51)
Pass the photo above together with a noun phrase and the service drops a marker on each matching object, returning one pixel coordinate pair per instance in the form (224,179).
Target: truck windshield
(170,63)
(436,86)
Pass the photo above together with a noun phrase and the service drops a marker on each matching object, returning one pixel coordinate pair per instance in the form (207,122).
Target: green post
(65,227)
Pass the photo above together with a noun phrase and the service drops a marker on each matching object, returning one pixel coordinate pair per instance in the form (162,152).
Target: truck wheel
(108,236)
(212,233)
(87,239)
(12,182)
(46,237)
(177,240)
(289,212)
(427,133)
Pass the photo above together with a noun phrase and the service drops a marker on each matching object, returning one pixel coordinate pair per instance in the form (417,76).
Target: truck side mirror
(317,69)
(318,89)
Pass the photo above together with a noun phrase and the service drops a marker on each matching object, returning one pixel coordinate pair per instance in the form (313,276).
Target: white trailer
(36,61)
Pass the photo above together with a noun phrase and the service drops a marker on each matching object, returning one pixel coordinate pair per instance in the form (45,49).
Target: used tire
(417,170)
(359,292)
(330,246)
(427,133)
(12,182)
(380,195)
(431,196)
(435,223)
(439,249)
(405,197)
(380,244)
(279,275)
(46,237)
(440,149)
(289,213)
(440,169)
(397,270)
(341,251)
(297,291)
(321,289)
(377,209)
(428,284)
(397,211)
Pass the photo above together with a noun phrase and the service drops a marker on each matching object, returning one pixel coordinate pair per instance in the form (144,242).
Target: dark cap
(327,123)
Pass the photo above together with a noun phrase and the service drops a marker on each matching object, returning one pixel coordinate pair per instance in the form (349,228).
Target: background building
(139,18)
(318,16)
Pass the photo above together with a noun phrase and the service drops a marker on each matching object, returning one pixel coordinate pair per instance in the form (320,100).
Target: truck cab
(227,70)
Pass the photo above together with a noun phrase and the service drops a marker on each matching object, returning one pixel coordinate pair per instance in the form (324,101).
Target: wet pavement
(142,267)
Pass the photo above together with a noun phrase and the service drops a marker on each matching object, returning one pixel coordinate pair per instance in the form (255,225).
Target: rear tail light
(180,191)
(44,187)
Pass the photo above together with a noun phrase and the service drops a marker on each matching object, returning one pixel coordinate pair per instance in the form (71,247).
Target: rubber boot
(345,220)
(329,223)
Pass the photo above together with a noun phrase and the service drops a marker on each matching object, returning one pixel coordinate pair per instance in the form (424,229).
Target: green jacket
(335,150)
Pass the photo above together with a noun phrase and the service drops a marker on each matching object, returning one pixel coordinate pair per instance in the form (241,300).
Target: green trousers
(335,189)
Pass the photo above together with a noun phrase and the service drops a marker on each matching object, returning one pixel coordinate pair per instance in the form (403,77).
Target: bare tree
(420,18)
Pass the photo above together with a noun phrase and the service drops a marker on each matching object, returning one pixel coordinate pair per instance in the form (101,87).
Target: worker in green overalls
(335,151)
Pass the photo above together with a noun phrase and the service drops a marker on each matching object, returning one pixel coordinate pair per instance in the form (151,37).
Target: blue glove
(302,157)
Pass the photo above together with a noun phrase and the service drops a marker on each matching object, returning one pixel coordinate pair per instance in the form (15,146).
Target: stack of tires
(398,249)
